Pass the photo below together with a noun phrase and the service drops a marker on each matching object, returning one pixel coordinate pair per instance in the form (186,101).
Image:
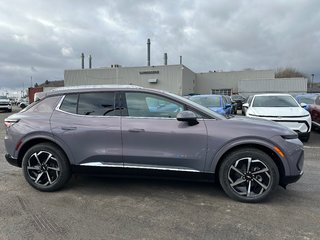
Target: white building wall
(188,81)
(205,82)
(169,78)
(277,85)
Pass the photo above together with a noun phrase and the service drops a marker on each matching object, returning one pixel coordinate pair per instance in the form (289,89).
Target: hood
(278,111)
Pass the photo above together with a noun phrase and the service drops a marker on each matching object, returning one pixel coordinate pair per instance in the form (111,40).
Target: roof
(84,88)
(58,83)
(272,94)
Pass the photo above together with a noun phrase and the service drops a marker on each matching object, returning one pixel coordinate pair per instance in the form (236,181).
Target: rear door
(88,124)
(154,139)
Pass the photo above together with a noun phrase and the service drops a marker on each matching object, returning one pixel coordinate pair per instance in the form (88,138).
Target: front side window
(274,101)
(150,105)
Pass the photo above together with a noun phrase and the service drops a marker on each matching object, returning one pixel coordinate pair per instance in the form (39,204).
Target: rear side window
(69,103)
(318,100)
(93,104)
(99,104)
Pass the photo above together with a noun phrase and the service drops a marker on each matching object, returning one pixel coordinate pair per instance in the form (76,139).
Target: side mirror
(227,106)
(304,105)
(187,116)
(246,105)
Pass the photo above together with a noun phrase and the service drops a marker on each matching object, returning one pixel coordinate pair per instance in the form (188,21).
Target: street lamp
(312,77)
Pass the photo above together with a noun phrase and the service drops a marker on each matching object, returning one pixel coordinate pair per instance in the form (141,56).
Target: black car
(239,100)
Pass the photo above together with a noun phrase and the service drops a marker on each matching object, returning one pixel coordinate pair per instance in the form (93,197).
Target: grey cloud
(211,35)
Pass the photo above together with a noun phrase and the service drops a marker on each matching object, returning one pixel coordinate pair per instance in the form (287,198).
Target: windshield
(3,97)
(197,106)
(274,101)
(307,100)
(207,101)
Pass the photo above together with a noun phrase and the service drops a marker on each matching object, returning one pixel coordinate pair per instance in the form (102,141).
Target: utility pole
(312,77)
(31,81)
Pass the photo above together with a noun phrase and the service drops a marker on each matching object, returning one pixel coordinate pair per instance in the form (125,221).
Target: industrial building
(181,80)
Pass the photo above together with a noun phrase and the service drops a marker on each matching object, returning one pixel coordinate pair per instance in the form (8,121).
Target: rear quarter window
(46,105)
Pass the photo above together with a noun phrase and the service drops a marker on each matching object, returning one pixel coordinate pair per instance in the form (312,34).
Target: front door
(154,139)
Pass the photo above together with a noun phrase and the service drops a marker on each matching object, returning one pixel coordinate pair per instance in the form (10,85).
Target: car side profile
(129,129)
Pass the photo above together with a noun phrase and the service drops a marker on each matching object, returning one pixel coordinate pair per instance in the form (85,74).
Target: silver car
(136,130)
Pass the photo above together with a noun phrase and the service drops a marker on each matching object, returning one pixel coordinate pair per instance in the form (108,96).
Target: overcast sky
(42,38)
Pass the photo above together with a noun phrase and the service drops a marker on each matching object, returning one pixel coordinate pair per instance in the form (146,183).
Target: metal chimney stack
(180,60)
(82,60)
(148,53)
(165,59)
(90,61)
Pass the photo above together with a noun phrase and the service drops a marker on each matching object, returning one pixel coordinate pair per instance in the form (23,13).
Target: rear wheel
(248,175)
(45,167)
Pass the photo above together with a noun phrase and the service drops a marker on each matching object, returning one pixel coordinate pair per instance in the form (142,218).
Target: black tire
(9,110)
(239,159)
(54,170)
(305,138)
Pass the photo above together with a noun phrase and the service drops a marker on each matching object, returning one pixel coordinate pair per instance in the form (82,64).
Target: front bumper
(290,179)
(13,161)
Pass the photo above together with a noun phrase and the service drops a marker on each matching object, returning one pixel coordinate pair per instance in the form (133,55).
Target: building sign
(149,72)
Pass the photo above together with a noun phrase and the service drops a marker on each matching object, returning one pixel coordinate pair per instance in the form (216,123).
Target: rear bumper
(13,161)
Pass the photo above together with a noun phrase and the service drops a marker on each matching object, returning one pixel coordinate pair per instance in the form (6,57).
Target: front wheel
(248,175)
(45,167)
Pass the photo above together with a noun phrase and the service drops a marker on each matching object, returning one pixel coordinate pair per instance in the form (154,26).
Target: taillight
(10,122)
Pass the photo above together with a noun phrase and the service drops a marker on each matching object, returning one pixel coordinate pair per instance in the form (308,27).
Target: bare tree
(289,73)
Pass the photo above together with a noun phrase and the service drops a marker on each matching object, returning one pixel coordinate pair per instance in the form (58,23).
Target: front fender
(217,156)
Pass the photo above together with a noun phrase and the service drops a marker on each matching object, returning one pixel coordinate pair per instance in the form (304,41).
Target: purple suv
(129,129)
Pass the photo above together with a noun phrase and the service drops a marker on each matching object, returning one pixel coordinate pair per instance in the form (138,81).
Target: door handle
(136,130)
(68,128)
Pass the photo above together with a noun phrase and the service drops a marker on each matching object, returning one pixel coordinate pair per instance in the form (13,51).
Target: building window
(224,91)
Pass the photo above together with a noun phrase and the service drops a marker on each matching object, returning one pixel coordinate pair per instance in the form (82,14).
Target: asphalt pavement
(123,208)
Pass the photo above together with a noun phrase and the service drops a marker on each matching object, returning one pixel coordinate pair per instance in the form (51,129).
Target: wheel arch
(37,140)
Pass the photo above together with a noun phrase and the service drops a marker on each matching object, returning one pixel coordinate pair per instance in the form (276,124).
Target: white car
(5,104)
(281,108)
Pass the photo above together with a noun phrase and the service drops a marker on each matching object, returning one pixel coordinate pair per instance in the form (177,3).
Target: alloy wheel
(43,168)
(249,177)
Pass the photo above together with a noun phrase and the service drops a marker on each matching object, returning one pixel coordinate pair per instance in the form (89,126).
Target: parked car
(118,129)
(23,103)
(246,104)
(313,106)
(5,104)
(239,100)
(216,103)
(232,103)
(281,108)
